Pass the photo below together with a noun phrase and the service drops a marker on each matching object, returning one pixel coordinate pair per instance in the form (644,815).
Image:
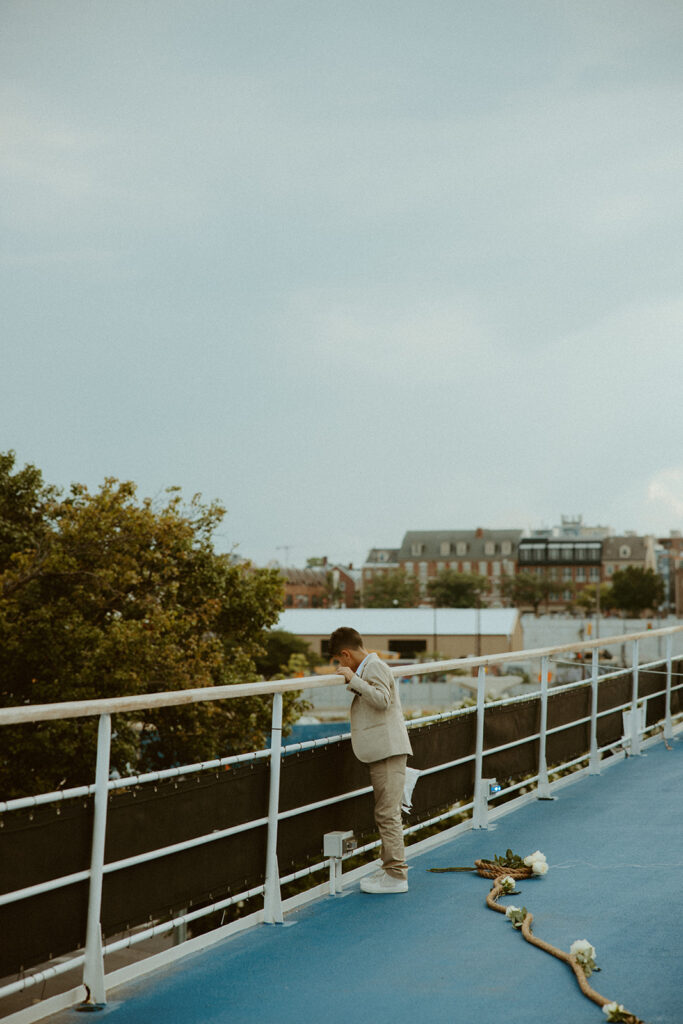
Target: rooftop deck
(614,843)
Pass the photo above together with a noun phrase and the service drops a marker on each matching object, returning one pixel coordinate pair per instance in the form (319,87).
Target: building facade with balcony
(570,565)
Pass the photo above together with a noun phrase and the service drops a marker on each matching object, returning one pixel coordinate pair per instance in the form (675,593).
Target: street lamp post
(434,626)
(477,649)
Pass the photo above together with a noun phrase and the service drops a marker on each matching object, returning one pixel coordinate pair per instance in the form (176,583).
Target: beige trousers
(388,778)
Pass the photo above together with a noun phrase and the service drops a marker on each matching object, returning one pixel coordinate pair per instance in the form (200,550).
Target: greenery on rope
(581,957)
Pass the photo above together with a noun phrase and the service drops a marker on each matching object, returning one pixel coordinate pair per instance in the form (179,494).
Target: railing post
(480,809)
(93,967)
(543,788)
(272,901)
(668,728)
(594,763)
(635,730)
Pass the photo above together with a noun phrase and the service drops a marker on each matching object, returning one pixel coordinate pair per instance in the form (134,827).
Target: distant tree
(586,599)
(451,589)
(278,648)
(526,589)
(394,588)
(315,563)
(634,590)
(104,595)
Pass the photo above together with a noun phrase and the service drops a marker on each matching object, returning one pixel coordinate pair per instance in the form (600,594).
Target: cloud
(387,334)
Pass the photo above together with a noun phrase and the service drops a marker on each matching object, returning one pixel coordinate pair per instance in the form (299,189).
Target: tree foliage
(103,595)
(279,647)
(526,588)
(586,599)
(395,588)
(634,590)
(452,589)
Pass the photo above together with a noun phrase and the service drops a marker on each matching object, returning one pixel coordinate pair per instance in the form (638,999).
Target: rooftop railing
(272,806)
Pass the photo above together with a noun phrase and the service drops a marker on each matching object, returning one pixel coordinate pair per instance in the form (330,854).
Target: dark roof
(306,577)
(475,540)
(382,556)
(612,545)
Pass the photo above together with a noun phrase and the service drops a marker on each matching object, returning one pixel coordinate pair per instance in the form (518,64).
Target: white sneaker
(385,884)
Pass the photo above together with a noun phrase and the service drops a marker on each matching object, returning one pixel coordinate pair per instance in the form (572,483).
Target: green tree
(526,588)
(634,590)
(586,599)
(103,595)
(451,589)
(279,647)
(395,588)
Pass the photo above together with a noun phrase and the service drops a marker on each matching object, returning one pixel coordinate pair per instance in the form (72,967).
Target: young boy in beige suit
(380,739)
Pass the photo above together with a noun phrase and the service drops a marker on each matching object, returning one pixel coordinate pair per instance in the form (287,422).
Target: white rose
(511,910)
(539,867)
(533,857)
(610,1008)
(583,947)
(507,884)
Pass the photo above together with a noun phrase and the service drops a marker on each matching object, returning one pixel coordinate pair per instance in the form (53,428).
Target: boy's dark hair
(344,638)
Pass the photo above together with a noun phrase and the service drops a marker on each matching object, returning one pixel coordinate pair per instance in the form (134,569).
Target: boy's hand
(342,670)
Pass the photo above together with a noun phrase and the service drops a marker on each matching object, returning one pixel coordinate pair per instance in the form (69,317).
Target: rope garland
(490,870)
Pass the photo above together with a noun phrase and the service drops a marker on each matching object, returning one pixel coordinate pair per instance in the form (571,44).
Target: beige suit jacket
(377,726)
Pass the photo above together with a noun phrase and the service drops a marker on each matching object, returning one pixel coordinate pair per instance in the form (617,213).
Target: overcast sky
(351,268)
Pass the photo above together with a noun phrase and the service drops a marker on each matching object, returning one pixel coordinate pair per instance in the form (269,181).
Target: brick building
(670,567)
(425,553)
(570,565)
(325,586)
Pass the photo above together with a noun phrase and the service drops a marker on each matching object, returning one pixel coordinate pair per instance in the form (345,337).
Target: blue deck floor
(437,954)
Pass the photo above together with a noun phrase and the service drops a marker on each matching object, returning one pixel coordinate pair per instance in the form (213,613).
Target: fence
(166,849)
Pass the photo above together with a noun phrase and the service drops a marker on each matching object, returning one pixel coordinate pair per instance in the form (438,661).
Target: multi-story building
(569,565)
(620,552)
(378,562)
(571,556)
(425,553)
(326,586)
(305,588)
(345,583)
(678,592)
(669,553)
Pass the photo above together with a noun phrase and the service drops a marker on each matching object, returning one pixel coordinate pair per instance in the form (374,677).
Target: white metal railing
(92,958)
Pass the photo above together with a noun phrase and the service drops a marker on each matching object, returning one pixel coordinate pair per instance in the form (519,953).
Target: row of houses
(572,556)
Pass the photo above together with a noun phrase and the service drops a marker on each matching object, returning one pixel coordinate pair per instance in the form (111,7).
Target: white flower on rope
(537,862)
(516,915)
(584,953)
